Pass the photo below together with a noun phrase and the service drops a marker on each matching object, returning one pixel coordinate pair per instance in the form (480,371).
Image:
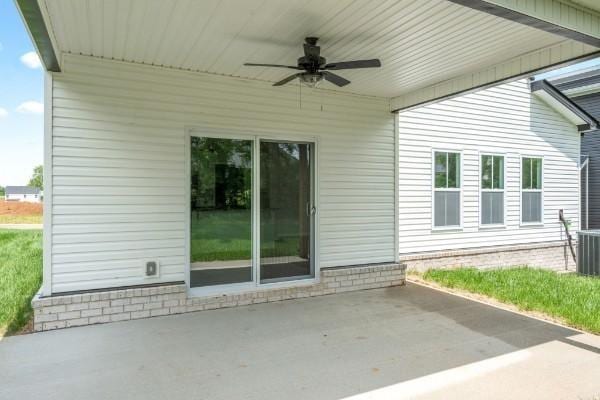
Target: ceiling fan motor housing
(311,64)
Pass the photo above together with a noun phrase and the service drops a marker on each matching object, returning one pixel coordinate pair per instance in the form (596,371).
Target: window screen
(492,190)
(531,190)
(446,189)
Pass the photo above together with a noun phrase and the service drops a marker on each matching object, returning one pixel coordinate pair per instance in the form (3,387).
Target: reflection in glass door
(221,211)
(286,211)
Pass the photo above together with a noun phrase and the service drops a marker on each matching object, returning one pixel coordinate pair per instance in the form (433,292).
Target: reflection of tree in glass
(221,173)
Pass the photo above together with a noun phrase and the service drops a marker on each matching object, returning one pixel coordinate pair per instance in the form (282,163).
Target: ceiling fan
(316,68)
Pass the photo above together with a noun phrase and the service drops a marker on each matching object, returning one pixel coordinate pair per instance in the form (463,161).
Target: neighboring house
(583,88)
(484,175)
(194,183)
(28,194)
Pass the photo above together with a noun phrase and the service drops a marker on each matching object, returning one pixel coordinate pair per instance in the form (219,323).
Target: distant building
(23,193)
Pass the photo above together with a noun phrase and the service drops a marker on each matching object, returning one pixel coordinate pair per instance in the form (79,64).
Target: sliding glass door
(286,210)
(221,211)
(252,211)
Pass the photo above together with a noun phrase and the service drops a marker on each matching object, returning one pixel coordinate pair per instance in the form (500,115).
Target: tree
(37,180)
(2,192)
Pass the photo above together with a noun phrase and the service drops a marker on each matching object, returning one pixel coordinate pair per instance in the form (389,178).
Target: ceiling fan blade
(335,79)
(286,80)
(270,65)
(374,63)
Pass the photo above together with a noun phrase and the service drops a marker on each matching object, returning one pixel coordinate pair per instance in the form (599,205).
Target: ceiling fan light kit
(316,68)
(311,80)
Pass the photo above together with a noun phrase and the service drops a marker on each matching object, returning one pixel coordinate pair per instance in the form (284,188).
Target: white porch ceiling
(420,43)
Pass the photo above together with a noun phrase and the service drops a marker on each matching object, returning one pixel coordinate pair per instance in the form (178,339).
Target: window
(492,190)
(446,196)
(531,190)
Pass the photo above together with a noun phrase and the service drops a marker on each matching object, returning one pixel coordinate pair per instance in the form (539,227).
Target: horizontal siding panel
(505,119)
(77,238)
(115,172)
(165,262)
(117,191)
(137,244)
(117,218)
(115,209)
(120,181)
(119,175)
(112,228)
(165,199)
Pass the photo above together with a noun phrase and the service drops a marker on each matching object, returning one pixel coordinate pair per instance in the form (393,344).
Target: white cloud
(3,113)
(31,107)
(31,60)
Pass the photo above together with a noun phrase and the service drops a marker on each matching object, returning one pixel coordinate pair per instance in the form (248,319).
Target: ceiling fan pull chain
(321,100)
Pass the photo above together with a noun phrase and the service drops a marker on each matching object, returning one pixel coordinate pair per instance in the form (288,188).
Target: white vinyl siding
(119,178)
(505,120)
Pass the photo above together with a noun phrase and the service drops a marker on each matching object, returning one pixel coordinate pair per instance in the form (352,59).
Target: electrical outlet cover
(151,268)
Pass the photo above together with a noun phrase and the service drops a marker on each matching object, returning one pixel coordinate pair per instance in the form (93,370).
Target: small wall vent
(152,269)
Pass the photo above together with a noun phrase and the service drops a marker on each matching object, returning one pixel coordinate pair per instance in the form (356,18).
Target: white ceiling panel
(420,43)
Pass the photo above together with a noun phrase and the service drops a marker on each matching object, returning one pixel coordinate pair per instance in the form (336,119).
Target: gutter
(38,31)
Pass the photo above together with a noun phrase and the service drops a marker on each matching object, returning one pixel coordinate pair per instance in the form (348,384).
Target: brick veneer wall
(125,304)
(551,255)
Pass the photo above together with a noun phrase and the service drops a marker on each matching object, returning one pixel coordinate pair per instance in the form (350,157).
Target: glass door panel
(221,211)
(286,211)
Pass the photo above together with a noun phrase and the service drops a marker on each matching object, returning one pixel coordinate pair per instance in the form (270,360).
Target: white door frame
(254,285)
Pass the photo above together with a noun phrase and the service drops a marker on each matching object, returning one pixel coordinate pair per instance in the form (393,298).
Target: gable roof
(564,105)
(21,190)
(578,84)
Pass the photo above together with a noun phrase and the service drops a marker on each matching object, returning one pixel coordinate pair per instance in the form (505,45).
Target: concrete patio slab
(402,342)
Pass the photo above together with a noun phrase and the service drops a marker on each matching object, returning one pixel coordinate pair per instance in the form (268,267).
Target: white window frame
(459,190)
(482,190)
(521,190)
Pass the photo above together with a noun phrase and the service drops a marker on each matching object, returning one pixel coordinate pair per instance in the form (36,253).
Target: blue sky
(566,70)
(21,92)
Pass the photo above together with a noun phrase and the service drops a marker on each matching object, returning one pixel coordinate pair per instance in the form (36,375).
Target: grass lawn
(226,235)
(20,276)
(21,219)
(568,297)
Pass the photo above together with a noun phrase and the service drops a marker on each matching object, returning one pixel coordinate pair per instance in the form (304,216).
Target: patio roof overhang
(430,50)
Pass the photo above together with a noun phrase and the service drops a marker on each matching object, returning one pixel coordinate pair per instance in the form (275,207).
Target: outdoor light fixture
(311,79)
